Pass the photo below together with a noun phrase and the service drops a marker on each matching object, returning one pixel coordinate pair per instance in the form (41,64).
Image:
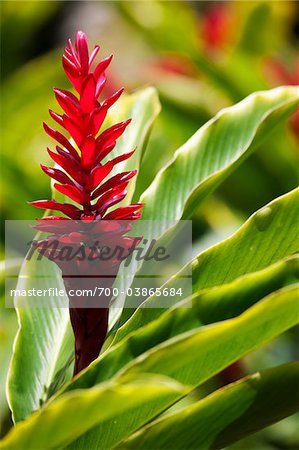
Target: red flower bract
(82,177)
(82,118)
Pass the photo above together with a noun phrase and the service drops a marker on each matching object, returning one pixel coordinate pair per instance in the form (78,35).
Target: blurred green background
(201,56)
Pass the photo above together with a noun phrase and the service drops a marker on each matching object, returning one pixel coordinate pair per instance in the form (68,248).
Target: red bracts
(82,164)
(85,177)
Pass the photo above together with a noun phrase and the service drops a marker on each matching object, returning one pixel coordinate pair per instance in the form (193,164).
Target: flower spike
(86,179)
(82,118)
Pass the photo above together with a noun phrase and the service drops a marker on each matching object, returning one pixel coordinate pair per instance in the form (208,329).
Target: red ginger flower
(215,26)
(82,180)
(83,117)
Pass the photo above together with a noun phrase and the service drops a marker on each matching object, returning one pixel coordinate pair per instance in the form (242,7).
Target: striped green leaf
(209,157)
(55,425)
(227,415)
(213,152)
(209,306)
(266,237)
(190,359)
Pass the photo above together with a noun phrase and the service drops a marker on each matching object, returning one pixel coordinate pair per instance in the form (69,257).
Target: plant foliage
(245,294)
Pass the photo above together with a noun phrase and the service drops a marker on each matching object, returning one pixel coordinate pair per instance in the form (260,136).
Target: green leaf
(209,156)
(142,107)
(59,423)
(257,35)
(8,327)
(213,152)
(193,357)
(212,305)
(207,350)
(227,415)
(190,358)
(266,237)
(44,343)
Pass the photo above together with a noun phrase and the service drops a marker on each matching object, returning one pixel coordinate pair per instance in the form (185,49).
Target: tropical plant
(148,388)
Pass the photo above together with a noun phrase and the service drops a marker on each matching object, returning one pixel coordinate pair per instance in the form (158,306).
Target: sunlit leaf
(229,414)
